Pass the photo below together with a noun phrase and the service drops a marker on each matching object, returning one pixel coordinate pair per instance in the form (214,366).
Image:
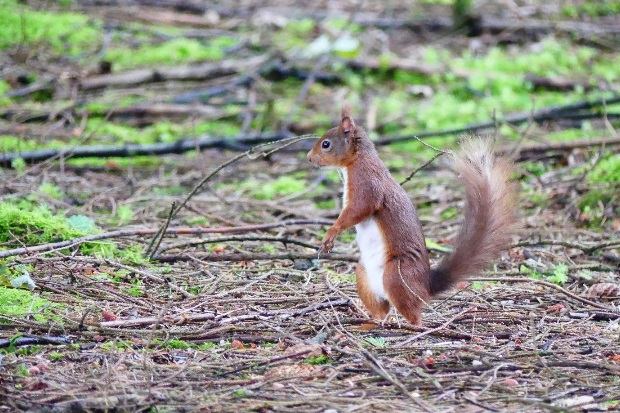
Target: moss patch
(20,302)
(172,52)
(65,32)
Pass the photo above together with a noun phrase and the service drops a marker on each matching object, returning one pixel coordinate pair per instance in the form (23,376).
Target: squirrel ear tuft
(346,111)
(346,124)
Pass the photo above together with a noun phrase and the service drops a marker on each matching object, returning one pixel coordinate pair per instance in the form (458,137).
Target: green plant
(241,393)
(51,190)
(559,275)
(124,214)
(207,346)
(54,356)
(321,359)
(379,342)
(176,344)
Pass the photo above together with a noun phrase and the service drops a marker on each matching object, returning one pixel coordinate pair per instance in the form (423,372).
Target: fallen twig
(254,257)
(235,142)
(150,231)
(523,151)
(190,72)
(546,284)
(32,340)
(587,249)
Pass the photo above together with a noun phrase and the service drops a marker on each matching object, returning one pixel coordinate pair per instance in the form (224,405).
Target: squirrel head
(338,146)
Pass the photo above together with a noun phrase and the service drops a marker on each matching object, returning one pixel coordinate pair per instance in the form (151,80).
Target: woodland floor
(234,313)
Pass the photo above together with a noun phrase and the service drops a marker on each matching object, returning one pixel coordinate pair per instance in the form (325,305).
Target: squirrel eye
(326,144)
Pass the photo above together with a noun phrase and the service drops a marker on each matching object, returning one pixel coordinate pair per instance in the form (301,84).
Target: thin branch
(156,240)
(254,257)
(283,240)
(150,231)
(587,249)
(249,153)
(546,284)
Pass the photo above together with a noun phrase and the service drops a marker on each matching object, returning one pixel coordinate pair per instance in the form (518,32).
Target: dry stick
(255,257)
(432,330)
(424,165)
(150,231)
(265,363)
(546,284)
(156,241)
(248,153)
(568,244)
(211,316)
(283,240)
(233,142)
(546,113)
(563,146)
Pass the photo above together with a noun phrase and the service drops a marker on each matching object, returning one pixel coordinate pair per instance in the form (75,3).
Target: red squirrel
(394,267)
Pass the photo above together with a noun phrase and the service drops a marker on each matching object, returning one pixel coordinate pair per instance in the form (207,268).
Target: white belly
(372,248)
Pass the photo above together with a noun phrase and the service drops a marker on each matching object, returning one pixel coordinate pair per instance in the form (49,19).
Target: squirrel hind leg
(402,284)
(378,307)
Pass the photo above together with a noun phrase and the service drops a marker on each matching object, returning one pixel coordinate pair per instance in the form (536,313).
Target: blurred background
(76,73)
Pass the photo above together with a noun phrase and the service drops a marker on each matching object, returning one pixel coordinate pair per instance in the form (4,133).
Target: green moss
(172,52)
(9,143)
(4,88)
(134,291)
(592,9)
(65,32)
(20,302)
(607,170)
(327,204)
(32,224)
(284,185)
(604,186)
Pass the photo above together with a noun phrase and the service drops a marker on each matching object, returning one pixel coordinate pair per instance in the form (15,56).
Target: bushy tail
(489,214)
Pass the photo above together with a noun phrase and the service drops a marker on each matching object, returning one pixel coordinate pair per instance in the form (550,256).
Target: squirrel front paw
(328,243)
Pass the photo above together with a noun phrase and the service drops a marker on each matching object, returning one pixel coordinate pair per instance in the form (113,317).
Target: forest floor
(116,116)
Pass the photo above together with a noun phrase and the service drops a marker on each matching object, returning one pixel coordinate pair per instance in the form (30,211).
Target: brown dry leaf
(109,316)
(314,350)
(368,326)
(295,370)
(603,290)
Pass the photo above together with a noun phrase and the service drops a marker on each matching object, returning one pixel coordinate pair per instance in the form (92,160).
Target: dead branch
(551,113)
(588,249)
(483,23)
(254,257)
(194,243)
(150,231)
(104,151)
(190,72)
(526,151)
(546,284)
(34,340)
(193,318)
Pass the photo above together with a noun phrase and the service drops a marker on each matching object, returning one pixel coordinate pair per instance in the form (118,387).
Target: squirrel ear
(346,124)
